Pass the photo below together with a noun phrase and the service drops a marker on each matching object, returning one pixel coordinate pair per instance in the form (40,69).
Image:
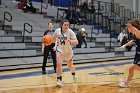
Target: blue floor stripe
(37,73)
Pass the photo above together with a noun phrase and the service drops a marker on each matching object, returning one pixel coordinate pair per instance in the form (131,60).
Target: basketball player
(64,38)
(47,49)
(134,28)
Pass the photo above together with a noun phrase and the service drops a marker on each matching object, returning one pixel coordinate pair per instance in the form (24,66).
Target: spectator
(92,9)
(121,35)
(21,4)
(126,40)
(28,6)
(84,35)
(81,37)
(84,6)
(77,16)
(70,16)
(73,16)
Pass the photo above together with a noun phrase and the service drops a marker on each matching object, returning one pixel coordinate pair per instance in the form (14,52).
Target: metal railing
(62,10)
(25,24)
(42,5)
(109,16)
(92,32)
(6,19)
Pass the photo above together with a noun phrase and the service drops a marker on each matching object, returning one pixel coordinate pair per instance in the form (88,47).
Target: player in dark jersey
(47,49)
(134,28)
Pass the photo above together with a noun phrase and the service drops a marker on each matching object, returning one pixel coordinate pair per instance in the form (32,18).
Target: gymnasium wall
(127,3)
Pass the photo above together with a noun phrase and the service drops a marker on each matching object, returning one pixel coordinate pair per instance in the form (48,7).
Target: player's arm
(134,30)
(72,38)
(73,41)
(55,39)
(127,44)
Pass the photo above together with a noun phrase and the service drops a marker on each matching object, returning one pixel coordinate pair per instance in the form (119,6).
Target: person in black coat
(81,37)
(28,6)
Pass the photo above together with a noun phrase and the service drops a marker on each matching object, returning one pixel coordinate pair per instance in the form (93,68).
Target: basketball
(47,40)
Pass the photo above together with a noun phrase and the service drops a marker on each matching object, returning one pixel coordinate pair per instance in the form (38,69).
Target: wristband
(123,46)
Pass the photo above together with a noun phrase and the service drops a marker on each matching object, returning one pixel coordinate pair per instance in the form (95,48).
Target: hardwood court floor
(92,78)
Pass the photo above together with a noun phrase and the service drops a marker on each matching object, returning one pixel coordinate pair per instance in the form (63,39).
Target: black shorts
(137,59)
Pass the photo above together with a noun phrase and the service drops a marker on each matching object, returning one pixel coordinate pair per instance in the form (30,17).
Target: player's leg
(131,71)
(45,56)
(134,67)
(60,58)
(71,66)
(72,69)
(68,57)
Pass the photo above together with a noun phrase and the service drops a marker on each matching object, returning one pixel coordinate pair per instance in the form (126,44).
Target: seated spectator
(84,35)
(84,6)
(77,16)
(81,37)
(28,6)
(70,16)
(21,4)
(120,36)
(74,16)
(126,40)
(92,9)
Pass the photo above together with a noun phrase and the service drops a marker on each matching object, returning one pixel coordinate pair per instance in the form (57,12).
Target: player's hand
(122,47)
(54,48)
(69,40)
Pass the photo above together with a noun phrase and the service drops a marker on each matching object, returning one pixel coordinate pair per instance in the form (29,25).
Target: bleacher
(16,53)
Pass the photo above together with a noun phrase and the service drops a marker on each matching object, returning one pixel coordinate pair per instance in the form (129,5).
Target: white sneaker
(59,83)
(123,84)
(75,78)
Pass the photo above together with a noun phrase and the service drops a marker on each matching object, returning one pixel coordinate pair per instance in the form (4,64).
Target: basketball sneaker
(75,78)
(44,72)
(59,83)
(123,84)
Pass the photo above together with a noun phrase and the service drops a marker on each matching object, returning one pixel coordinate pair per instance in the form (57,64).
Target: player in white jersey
(64,37)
